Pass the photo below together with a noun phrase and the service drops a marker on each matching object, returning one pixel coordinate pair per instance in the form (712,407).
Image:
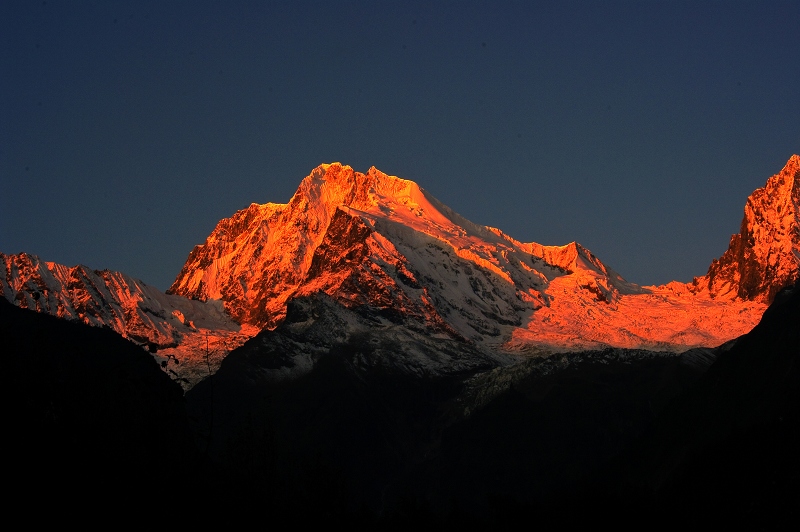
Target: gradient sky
(128,129)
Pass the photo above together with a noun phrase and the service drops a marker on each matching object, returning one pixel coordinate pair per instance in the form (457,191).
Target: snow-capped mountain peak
(379,240)
(264,255)
(765,255)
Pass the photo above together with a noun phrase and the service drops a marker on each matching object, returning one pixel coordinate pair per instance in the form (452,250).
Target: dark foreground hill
(727,450)
(628,436)
(633,438)
(92,420)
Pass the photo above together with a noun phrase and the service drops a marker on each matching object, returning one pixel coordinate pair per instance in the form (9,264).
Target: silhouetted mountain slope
(551,430)
(325,422)
(92,418)
(330,412)
(328,420)
(727,449)
(333,408)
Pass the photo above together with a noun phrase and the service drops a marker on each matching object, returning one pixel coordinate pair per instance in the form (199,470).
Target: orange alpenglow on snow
(374,239)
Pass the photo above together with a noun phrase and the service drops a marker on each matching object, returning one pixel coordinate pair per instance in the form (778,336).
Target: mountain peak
(765,255)
(783,186)
(257,259)
(379,241)
(342,233)
(793,164)
(334,184)
(787,178)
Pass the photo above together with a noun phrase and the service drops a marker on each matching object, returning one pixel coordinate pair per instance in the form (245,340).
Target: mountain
(331,392)
(379,240)
(385,243)
(726,449)
(765,255)
(343,406)
(181,333)
(382,377)
(366,437)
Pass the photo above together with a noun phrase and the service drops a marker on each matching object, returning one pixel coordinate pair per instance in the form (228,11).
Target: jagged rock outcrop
(764,256)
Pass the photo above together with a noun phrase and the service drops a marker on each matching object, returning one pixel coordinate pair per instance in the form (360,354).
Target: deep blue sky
(128,129)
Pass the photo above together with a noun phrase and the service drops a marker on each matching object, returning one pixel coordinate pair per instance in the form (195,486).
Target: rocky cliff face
(93,297)
(257,259)
(764,256)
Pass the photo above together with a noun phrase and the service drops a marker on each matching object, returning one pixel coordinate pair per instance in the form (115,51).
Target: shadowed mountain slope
(93,419)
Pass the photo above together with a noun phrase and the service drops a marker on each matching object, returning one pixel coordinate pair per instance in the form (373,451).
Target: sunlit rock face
(93,297)
(765,255)
(382,241)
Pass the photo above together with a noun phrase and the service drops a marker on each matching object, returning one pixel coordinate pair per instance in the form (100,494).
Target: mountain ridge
(412,250)
(424,370)
(376,240)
